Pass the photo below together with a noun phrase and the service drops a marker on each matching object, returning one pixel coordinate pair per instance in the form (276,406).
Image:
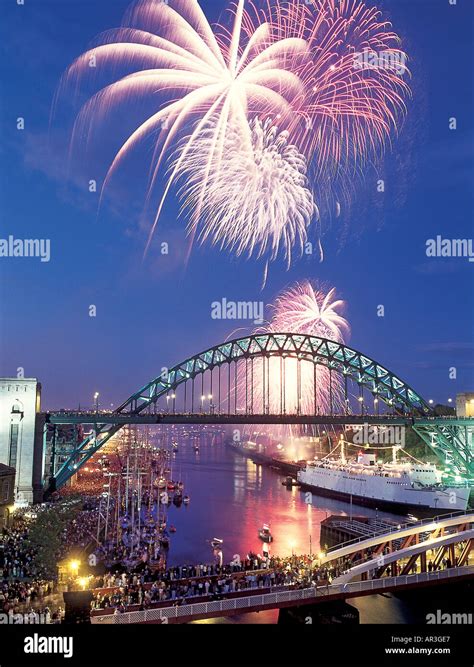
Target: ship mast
(343,451)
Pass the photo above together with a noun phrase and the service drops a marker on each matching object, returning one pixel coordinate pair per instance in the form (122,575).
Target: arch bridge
(262,378)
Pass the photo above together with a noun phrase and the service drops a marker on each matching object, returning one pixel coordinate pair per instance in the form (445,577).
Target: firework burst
(254,200)
(290,64)
(301,309)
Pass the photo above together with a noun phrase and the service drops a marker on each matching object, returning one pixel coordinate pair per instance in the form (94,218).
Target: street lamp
(96,399)
(210,403)
(74,566)
(203,398)
(83,581)
(361,401)
(376,406)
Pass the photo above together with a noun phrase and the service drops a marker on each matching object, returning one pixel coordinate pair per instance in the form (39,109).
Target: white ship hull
(380,491)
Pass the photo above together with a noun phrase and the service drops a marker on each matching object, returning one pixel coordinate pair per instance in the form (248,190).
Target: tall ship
(395,486)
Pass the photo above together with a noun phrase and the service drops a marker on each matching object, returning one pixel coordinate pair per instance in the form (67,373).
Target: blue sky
(157,312)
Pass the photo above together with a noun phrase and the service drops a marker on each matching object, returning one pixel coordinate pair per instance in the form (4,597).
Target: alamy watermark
(379,435)
(41,644)
(440,247)
(30,618)
(395,61)
(447,618)
(39,248)
(237,310)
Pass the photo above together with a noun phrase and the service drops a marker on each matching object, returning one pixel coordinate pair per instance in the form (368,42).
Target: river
(231,497)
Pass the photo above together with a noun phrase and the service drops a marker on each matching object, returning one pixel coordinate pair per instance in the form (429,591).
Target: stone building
(7,494)
(465,404)
(21,436)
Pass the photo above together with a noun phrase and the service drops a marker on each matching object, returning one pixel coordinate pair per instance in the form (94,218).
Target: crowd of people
(124,590)
(24,588)
(16,558)
(80,531)
(21,584)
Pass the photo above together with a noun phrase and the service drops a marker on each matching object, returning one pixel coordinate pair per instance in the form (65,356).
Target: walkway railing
(402,526)
(242,604)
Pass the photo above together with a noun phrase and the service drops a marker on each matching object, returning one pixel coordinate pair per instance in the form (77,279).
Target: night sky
(156,312)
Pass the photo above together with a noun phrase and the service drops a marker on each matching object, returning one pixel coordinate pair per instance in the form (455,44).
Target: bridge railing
(166,614)
(399,527)
(404,580)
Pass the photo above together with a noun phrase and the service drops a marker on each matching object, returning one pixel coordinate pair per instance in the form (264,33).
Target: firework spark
(307,309)
(292,62)
(301,309)
(254,199)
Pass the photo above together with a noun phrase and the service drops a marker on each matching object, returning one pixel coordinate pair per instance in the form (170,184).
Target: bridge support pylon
(336,611)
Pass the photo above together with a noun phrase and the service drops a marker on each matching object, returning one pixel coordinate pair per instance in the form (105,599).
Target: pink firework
(356,82)
(300,65)
(301,309)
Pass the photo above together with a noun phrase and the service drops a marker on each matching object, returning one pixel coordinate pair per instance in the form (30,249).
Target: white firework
(304,309)
(307,309)
(253,196)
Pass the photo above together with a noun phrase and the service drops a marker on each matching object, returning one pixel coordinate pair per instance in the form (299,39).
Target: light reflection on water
(231,498)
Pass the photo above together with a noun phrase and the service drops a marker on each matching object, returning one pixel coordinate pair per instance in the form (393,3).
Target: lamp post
(361,401)
(96,399)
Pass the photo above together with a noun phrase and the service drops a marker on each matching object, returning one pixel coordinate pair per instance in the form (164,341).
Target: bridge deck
(425,526)
(297,597)
(243,418)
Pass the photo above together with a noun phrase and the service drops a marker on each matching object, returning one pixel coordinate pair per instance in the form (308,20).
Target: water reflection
(231,497)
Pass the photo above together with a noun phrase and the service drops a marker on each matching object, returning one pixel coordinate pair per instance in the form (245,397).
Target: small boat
(178,498)
(289,482)
(171,486)
(265,534)
(216,543)
(172,529)
(180,486)
(175,446)
(161,483)
(186,500)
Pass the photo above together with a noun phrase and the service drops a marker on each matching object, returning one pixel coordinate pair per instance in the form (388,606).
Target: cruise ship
(397,487)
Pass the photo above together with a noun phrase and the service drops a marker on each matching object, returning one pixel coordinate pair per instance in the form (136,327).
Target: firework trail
(255,200)
(291,63)
(301,309)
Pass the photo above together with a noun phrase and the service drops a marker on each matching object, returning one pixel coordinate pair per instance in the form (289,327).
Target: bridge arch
(335,356)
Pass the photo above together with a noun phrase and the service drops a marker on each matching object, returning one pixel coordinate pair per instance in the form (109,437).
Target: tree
(45,535)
